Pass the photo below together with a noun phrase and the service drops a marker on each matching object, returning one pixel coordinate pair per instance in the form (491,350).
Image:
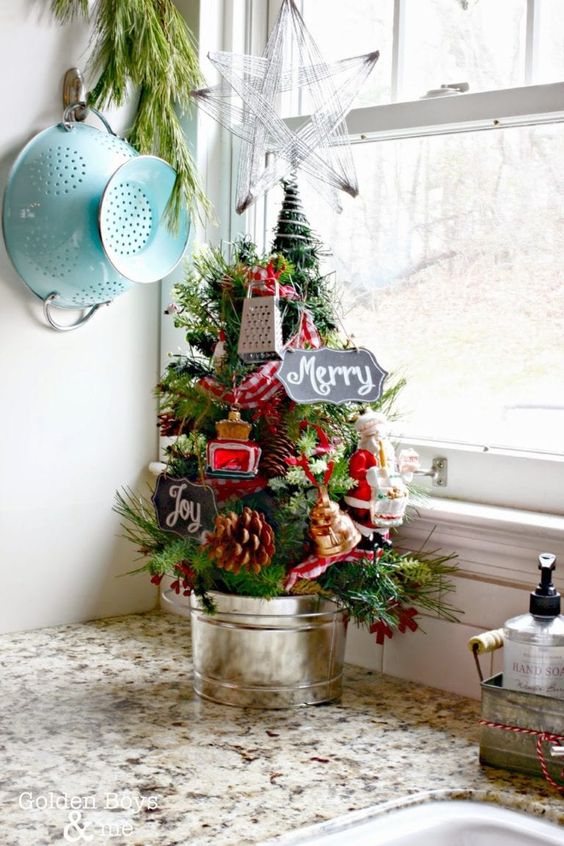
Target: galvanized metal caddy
(276,653)
(519,731)
(540,718)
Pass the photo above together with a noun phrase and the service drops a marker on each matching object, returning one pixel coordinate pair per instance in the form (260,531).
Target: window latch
(447,89)
(438,472)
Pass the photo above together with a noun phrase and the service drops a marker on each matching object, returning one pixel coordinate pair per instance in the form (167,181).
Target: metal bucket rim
(257,604)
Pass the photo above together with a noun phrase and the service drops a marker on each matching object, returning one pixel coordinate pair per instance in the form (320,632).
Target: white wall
(78,413)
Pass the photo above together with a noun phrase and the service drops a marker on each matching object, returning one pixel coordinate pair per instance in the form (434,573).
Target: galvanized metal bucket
(277,653)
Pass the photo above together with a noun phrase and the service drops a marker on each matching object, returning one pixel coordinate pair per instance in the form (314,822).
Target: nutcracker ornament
(219,352)
(232,455)
(379,498)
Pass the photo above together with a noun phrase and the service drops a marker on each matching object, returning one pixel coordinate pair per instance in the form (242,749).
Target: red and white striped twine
(542,737)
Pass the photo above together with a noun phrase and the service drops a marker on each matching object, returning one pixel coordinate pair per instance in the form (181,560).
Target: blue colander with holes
(83,215)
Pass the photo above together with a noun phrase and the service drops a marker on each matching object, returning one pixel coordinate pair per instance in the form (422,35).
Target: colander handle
(49,302)
(69,121)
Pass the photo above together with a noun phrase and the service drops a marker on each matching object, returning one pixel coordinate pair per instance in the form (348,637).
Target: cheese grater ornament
(260,337)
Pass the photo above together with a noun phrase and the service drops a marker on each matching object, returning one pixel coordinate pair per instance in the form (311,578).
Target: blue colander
(79,224)
(135,236)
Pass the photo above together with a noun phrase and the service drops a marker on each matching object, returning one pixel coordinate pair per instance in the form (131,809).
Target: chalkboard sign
(334,376)
(183,507)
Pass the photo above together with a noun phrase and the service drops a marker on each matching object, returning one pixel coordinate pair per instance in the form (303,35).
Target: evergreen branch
(375,591)
(139,522)
(266,584)
(147,44)
(66,10)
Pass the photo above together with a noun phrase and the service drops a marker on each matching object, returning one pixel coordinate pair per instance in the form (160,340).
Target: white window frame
(476,473)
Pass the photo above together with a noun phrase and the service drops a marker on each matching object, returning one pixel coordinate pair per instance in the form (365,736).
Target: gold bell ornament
(260,337)
(331,530)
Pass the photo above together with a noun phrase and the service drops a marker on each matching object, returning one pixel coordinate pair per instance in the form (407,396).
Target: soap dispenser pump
(533,652)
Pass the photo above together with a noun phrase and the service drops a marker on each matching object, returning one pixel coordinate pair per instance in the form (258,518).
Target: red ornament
(232,454)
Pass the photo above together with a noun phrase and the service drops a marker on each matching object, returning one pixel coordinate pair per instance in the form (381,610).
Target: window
(450,262)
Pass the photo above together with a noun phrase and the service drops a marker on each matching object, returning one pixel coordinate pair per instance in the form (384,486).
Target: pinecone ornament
(276,448)
(242,541)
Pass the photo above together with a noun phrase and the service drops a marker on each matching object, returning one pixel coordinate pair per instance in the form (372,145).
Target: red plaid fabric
(286,292)
(261,386)
(226,488)
(307,333)
(315,565)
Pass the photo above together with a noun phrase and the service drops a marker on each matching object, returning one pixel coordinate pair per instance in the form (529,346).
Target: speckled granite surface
(100,718)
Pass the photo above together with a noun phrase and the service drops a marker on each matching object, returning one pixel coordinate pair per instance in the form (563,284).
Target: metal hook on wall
(74,93)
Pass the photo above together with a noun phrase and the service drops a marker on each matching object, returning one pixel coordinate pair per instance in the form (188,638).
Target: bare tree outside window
(450,267)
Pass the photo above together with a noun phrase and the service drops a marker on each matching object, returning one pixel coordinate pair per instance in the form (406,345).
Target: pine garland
(377,591)
(147,44)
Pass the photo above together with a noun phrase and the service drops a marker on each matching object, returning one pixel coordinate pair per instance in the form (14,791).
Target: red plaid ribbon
(315,565)
(226,488)
(268,277)
(261,386)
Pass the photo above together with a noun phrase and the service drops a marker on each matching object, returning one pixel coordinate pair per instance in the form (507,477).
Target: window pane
(550,60)
(351,29)
(481,42)
(450,265)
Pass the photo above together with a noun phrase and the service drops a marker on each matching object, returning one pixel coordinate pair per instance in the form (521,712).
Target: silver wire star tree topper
(247,103)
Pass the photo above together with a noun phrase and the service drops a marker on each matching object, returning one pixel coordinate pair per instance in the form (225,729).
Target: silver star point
(246,103)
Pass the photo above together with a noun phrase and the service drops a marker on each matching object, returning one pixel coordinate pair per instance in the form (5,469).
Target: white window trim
(494,545)
(527,105)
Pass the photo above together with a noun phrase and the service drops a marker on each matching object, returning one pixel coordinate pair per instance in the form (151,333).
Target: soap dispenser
(533,651)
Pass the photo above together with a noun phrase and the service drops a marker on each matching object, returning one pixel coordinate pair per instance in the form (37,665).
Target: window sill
(494,544)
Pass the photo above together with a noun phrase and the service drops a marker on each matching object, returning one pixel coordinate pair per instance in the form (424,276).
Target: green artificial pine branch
(66,10)
(295,241)
(146,44)
(265,585)
(372,591)
(139,522)
(367,590)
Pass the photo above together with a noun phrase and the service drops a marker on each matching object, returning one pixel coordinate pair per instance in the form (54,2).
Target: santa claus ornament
(379,498)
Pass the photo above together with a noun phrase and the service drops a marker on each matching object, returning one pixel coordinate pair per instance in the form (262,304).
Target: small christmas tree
(281,472)
(294,240)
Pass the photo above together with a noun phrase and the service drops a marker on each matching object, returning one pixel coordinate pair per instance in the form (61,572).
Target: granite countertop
(104,741)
